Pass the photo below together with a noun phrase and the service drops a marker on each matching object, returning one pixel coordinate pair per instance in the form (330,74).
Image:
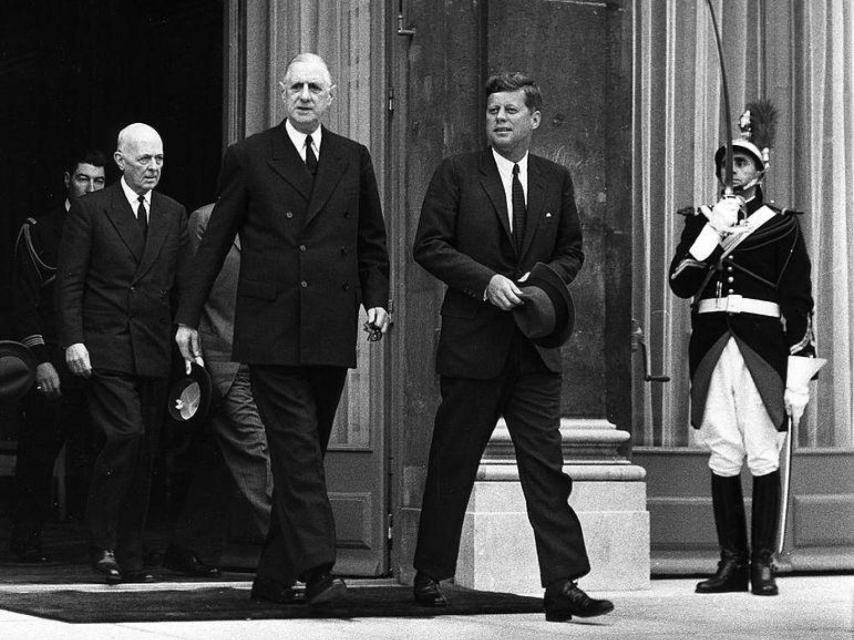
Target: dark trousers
(528,396)
(48,425)
(297,406)
(129,410)
(201,490)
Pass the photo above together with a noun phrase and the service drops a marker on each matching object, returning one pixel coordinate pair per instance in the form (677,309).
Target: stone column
(497,551)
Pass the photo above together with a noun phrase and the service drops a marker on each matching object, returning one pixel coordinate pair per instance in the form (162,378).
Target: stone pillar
(497,551)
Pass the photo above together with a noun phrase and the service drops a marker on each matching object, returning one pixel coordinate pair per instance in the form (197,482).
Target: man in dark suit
(119,260)
(488,217)
(55,407)
(233,434)
(306,205)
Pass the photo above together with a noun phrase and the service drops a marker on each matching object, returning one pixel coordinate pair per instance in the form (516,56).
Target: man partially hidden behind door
(488,218)
(746,265)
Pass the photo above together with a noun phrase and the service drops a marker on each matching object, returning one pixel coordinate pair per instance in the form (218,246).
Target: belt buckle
(734,303)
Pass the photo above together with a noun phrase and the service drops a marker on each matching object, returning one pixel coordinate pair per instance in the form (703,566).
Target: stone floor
(809,607)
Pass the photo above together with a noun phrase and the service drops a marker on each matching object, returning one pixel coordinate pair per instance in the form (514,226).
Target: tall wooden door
(579,54)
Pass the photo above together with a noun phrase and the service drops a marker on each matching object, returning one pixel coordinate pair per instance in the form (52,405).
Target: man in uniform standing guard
(746,265)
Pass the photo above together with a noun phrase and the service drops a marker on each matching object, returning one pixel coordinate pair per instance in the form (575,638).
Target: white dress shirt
(298,139)
(133,199)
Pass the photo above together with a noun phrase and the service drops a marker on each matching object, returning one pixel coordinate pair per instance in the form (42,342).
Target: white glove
(724,214)
(799,372)
(796,401)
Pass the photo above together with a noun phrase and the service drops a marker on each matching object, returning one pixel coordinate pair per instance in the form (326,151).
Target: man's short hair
(85,156)
(513,81)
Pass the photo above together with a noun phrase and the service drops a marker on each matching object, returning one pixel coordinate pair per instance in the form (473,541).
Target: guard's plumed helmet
(757,124)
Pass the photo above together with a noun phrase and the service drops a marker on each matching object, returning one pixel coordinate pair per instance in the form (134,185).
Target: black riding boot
(763,532)
(731,525)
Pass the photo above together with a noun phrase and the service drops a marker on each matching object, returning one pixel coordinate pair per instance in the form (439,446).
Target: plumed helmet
(758,126)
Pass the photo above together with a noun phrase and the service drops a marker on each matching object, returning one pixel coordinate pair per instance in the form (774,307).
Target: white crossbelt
(739,304)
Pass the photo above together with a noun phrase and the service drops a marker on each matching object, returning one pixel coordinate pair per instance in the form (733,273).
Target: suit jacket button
(289,214)
(303,284)
(345,286)
(302,248)
(346,214)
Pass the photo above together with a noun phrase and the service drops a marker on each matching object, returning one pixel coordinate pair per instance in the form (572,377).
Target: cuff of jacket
(706,243)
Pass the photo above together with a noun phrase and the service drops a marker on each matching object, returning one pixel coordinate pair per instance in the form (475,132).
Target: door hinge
(391,101)
(390,530)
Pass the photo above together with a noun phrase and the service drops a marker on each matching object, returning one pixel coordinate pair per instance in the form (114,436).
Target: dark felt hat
(17,370)
(548,315)
(190,395)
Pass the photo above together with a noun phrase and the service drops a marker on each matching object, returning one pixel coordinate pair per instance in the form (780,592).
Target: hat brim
(549,280)
(17,370)
(743,146)
(189,399)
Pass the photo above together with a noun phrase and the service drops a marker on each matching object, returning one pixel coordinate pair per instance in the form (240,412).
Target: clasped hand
(723,217)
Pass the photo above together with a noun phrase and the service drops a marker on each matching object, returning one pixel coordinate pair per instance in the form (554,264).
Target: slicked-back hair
(513,81)
(85,156)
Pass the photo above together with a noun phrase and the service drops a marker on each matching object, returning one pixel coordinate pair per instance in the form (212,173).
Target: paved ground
(820,608)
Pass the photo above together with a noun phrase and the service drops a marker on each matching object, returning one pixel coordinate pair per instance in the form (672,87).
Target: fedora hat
(190,395)
(547,316)
(17,370)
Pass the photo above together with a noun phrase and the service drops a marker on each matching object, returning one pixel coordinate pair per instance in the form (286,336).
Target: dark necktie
(519,211)
(141,218)
(310,158)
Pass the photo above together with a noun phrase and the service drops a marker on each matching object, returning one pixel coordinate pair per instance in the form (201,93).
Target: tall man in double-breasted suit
(488,217)
(119,261)
(306,205)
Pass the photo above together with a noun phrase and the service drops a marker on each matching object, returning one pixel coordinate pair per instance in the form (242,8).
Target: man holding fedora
(500,228)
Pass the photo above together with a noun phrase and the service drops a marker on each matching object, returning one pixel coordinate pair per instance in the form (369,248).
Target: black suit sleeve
(227,215)
(373,255)
(74,254)
(435,246)
(568,255)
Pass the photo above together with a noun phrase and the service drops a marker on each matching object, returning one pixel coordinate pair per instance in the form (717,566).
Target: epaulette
(24,242)
(687,211)
(786,211)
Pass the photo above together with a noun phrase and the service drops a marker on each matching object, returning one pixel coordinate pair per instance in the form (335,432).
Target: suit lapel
(158,223)
(490,180)
(536,196)
(285,160)
(331,165)
(124,221)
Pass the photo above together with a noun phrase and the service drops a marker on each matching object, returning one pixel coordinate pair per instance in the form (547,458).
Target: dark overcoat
(312,250)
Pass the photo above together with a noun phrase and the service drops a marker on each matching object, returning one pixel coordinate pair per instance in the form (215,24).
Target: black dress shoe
(105,564)
(264,590)
(185,561)
(731,576)
(28,549)
(564,600)
(322,588)
(428,592)
(139,576)
(762,582)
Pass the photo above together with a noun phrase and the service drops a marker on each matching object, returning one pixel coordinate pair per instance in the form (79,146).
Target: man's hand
(795,401)
(503,293)
(77,359)
(724,215)
(190,347)
(378,322)
(47,380)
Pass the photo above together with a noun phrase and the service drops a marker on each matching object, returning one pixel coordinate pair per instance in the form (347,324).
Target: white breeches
(735,423)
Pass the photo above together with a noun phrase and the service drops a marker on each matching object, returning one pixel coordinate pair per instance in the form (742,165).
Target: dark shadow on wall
(74,72)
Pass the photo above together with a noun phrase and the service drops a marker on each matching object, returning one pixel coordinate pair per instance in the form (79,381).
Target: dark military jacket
(33,277)
(771,264)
